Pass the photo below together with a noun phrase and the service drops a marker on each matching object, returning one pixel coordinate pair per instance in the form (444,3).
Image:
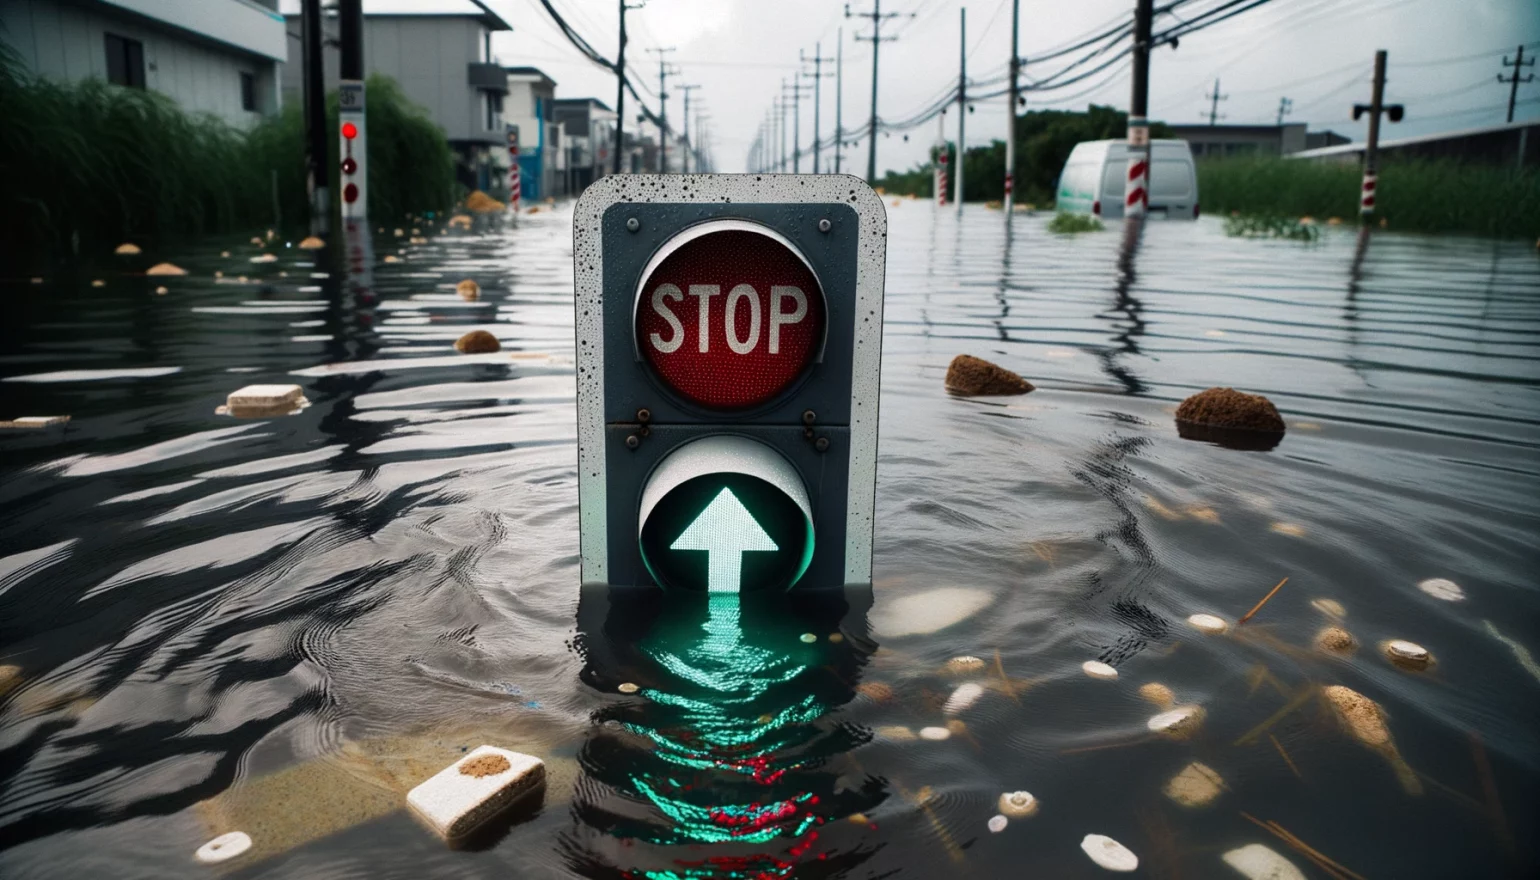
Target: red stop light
(349,166)
(349,130)
(350,193)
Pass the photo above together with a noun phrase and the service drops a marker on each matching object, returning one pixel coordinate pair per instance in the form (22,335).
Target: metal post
(1010,115)
(1518,65)
(353,108)
(1371,150)
(839,101)
(962,101)
(662,107)
(620,91)
(784,154)
(817,98)
(796,123)
(1136,185)
(685,160)
(871,135)
(316,176)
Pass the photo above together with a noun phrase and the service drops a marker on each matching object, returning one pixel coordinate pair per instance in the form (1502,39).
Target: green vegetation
(1269,226)
(1416,196)
(1071,223)
(89,165)
(1044,139)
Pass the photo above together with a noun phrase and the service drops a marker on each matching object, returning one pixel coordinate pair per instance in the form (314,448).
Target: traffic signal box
(729,335)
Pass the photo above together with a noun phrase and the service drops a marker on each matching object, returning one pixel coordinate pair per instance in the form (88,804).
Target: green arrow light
(725,530)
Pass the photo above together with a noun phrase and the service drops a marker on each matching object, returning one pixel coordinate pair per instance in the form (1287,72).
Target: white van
(1092,180)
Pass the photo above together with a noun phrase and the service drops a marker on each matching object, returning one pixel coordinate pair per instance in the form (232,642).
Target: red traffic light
(349,165)
(350,193)
(730,319)
(349,130)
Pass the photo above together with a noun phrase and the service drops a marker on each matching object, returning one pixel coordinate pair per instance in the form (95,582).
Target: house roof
(530,73)
(576,102)
(1358,146)
(456,8)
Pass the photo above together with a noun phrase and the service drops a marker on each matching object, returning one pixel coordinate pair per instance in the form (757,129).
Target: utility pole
(781,103)
(1010,115)
(1136,185)
(1285,107)
(796,120)
(962,100)
(620,86)
(877,40)
(839,101)
(662,107)
(817,76)
(1518,64)
(316,176)
(1214,99)
(1376,106)
(685,159)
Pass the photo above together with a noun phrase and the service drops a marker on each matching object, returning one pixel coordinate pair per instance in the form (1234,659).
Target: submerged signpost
(729,337)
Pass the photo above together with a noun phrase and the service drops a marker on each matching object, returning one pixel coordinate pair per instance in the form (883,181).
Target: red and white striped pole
(942,181)
(1366,193)
(514,174)
(1136,187)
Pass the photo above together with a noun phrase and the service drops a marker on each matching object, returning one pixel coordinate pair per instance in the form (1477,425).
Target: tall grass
(87,165)
(1412,195)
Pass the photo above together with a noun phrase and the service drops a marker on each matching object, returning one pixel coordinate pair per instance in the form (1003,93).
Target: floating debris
(1519,651)
(957,726)
(417,239)
(218,274)
(10,677)
(37,280)
(265,258)
(806,638)
(481,342)
(1202,513)
(836,638)
(1334,869)
(1108,853)
(1208,623)
(1018,804)
(858,819)
(1335,640)
(224,253)
(876,691)
(36,422)
(928,612)
(97,282)
(963,698)
(1407,655)
(1196,786)
(1329,607)
(474,790)
(161,291)
(935,734)
(400,232)
(416,231)
(997,824)
(1442,588)
(224,848)
(968,375)
(468,290)
(1179,723)
(627,687)
(900,733)
(1157,693)
(1265,599)
(1290,529)
(1228,408)
(257,401)
(963,665)
(311,243)
(1098,669)
(1257,862)
(392,258)
(1365,720)
(127,249)
(257,240)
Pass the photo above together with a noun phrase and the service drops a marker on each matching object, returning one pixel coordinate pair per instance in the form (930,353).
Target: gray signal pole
(1368,191)
(962,100)
(316,176)
(1010,115)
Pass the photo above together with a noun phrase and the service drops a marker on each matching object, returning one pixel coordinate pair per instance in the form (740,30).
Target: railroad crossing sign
(729,332)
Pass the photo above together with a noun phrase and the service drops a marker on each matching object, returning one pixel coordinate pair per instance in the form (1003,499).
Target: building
(1314,140)
(1514,143)
(211,56)
(441,55)
(1214,141)
(589,127)
(530,111)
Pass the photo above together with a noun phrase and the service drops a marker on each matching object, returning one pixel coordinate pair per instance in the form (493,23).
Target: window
(493,103)
(125,62)
(248,91)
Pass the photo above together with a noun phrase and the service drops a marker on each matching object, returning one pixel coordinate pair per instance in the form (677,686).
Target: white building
(215,56)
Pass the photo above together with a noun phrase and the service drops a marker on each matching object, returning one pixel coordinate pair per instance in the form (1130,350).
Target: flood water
(281,625)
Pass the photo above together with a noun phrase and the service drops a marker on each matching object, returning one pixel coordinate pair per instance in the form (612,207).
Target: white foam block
(264,395)
(37,422)
(1257,862)
(462,797)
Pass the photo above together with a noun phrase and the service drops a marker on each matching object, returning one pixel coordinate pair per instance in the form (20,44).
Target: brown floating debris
(1336,870)
(1293,530)
(161,291)
(1335,640)
(1365,720)
(127,249)
(1285,756)
(1196,786)
(10,677)
(260,401)
(1258,606)
(1299,699)
(489,764)
(265,258)
(477,342)
(468,290)
(899,733)
(963,665)
(1228,408)
(311,243)
(971,376)
(876,691)
(98,283)
(627,687)
(1157,693)
(392,258)
(35,422)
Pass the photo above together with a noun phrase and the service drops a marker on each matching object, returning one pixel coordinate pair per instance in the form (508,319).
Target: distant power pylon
(1214,98)
(1285,107)
(1518,64)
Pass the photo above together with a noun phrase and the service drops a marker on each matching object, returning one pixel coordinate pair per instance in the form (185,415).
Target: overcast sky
(1444,59)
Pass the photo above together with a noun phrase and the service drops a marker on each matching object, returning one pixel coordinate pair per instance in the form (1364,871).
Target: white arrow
(725,530)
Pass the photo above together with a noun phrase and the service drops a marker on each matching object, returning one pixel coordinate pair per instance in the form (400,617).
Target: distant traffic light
(354,151)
